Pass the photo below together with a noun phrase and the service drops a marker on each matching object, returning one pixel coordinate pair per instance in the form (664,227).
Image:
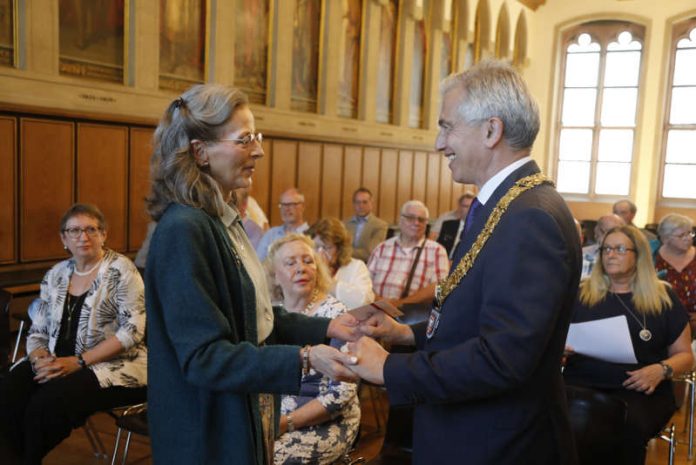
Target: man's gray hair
(493,88)
(631,206)
(415,203)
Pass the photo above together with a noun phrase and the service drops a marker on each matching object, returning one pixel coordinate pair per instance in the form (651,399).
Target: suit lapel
(479,222)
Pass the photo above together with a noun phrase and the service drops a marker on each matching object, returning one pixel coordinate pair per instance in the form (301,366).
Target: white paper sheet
(606,339)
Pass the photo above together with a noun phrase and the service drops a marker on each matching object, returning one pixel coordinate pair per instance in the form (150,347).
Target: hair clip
(179,102)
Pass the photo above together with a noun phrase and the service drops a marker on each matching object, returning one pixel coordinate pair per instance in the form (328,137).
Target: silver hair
(493,88)
(631,206)
(415,203)
(294,190)
(672,222)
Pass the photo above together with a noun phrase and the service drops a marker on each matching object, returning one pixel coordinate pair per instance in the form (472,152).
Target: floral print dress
(326,442)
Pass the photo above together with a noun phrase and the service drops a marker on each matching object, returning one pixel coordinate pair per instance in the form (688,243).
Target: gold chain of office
(448,284)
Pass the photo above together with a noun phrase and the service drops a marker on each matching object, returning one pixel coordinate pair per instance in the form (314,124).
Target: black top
(72,308)
(665,328)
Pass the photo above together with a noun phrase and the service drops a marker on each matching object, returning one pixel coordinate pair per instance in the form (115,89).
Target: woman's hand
(344,327)
(646,379)
(332,363)
(567,352)
(56,368)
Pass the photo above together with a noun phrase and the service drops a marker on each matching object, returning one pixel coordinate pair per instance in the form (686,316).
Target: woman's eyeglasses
(248,139)
(619,249)
(75,233)
(686,235)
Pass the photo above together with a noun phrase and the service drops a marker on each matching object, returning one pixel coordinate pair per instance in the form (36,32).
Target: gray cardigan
(205,368)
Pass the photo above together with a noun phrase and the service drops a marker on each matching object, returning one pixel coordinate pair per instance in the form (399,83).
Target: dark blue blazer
(487,387)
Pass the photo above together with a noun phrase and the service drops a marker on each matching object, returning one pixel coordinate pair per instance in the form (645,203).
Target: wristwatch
(667,370)
(291,424)
(81,361)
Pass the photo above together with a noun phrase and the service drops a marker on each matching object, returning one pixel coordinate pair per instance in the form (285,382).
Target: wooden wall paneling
(432,185)
(261,185)
(404,179)
(102,175)
(420,168)
(370,175)
(8,186)
(309,178)
(457,191)
(140,143)
(387,185)
(46,187)
(352,178)
(445,203)
(283,175)
(331,181)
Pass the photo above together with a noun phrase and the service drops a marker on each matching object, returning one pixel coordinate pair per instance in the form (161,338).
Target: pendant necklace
(315,294)
(72,302)
(85,273)
(644,333)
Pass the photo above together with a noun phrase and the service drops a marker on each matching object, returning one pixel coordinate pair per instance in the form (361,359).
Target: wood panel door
(140,142)
(352,178)
(405,179)
(102,176)
(309,178)
(8,186)
(283,175)
(46,191)
(387,185)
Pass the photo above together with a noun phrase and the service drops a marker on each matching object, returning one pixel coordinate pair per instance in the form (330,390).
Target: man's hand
(371,358)
(344,327)
(381,326)
(332,363)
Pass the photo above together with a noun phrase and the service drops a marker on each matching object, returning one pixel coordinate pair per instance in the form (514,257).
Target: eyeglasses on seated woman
(86,349)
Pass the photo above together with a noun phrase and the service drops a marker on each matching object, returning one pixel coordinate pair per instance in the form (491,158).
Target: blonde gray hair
(672,222)
(493,88)
(200,113)
(323,282)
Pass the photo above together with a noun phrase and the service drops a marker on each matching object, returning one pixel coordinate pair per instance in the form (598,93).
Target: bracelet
(306,366)
(291,424)
(81,361)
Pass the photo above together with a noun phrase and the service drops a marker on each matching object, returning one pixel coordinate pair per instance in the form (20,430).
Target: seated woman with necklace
(86,350)
(624,282)
(319,425)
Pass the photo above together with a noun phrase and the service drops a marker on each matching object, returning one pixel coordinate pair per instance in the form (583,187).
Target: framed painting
(387,52)
(420,43)
(305,55)
(182,44)
(351,24)
(91,39)
(7,42)
(251,48)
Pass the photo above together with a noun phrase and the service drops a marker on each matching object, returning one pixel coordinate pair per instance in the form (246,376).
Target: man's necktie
(470,216)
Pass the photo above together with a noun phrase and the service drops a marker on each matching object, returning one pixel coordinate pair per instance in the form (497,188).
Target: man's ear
(199,152)
(494,131)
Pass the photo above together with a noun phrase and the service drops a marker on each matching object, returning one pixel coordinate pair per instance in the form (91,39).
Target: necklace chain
(644,333)
(312,300)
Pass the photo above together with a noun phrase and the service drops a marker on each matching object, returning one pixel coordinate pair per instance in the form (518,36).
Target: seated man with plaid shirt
(405,268)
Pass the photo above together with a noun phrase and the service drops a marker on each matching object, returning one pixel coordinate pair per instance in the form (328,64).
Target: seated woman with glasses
(86,350)
(351,283)
(675,260)
(320,423)
(624,283)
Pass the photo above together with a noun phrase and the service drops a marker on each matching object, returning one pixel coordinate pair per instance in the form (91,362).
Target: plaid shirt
(390,265)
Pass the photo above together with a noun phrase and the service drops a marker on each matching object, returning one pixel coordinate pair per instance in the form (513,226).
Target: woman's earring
(65,247)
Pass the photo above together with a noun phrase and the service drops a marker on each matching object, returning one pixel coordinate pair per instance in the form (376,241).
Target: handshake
(363,357)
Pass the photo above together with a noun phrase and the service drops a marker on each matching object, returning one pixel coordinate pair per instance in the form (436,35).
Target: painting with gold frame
(92,39)
(446,55)
(182,44)
(251,48)
(6,33)
(385,65)
(305,55)
(351,24)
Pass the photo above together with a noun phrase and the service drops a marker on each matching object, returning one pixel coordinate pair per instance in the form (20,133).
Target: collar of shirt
(361,219)
(492,184)
(300,229)
(408,250)
(229,216)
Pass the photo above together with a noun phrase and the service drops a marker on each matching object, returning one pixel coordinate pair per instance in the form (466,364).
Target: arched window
(596,125)
(679,170)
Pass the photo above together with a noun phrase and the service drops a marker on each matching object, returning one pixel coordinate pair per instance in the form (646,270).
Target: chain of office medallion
(448,284)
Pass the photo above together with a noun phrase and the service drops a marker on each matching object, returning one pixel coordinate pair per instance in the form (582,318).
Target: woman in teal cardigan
(219,352)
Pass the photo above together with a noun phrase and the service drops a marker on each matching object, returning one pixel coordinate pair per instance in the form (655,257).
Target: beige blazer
(374,232)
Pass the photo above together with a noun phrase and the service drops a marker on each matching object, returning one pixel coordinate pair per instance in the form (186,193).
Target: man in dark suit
(451,230)
(485,378)
(365,228)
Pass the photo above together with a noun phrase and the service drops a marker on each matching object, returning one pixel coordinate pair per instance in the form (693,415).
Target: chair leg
(690,412)
(125,449)
(117,443)
(669,436)
(94,440)
(19,338)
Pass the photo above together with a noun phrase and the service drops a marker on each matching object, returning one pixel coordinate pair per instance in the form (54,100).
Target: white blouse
(353,285)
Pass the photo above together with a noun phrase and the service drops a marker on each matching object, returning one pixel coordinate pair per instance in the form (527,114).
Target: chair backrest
(597,420)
